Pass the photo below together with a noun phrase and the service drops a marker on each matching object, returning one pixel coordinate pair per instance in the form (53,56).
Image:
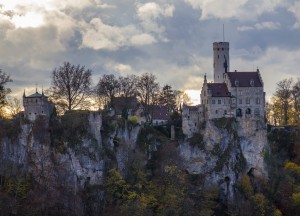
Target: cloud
(294,9)
(245,28)
(239,9)
(267,25)
(260,26)
(151,13)
(98,35)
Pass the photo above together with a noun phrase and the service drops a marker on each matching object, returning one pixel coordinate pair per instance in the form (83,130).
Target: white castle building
(37,104)
(232,94)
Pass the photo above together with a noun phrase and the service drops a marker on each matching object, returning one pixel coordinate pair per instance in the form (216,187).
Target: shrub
(134,119)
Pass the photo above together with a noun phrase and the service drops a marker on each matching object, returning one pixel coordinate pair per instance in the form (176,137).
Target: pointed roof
(245,79)
(218,89)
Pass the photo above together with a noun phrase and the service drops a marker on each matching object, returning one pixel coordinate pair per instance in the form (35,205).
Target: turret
(221,60)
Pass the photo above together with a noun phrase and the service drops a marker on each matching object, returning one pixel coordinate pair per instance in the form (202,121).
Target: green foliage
(133,119)
(260,203)
(197,140)
(223,156)
(277,212)
(224,123)
(10,128)
(18,187)
(293,167)
(72,128)
(296,199)
(246,186)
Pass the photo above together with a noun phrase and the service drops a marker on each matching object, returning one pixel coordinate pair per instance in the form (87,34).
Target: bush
(134,119)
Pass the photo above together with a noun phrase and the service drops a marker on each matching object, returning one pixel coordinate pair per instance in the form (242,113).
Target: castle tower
(221,60)
(37,104)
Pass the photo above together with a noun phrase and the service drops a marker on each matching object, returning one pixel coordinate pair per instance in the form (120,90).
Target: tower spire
(223,33)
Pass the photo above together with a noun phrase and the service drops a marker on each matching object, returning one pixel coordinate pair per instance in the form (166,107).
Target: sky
(170,38)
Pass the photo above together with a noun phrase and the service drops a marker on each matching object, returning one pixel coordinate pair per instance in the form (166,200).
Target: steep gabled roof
(218,89)
(35,95)
(245,79)
(159,112)
(120,103)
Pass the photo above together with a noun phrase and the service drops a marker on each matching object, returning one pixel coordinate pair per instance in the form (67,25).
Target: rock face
(226,149)
(61,174)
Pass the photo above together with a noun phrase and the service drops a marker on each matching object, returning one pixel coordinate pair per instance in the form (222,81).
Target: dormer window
(236,83)
(252,82)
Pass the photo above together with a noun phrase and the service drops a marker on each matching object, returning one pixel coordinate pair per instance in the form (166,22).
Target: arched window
(248,111)
(239,112)
(258,100)
(256,112)
(236,83)
(247,100)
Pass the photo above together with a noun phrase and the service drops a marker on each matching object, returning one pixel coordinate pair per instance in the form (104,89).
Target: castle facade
(232,94)
(37,104)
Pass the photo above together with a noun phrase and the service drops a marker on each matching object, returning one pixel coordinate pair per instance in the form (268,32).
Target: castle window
(225,112)
(239,112)
(216,111)
(36,100)
(248,111)
(258,100)
(219,101)
(240,101)
(247,100)
(256,112)
(236,83)
(252,82)
(213,101)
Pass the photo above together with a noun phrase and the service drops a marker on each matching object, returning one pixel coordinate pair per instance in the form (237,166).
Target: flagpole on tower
(223,34)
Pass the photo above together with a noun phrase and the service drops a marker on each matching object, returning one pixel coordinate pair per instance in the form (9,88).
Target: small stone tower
(221,60)
(37,104)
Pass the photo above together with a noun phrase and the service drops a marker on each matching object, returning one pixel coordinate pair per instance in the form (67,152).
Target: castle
(37,104)
(232,94)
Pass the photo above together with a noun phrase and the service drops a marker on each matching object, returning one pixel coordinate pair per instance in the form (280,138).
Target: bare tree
(296,99)
(70,86)
(14,106)
(128,85)
(148,90)
(108,86)
(283,93)
(181,98)
(4,79)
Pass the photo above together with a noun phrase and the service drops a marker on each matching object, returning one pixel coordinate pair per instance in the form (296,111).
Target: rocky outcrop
(62,172)
(225,150)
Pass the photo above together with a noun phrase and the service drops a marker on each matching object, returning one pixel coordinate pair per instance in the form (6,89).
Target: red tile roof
(218,89)
(244,79)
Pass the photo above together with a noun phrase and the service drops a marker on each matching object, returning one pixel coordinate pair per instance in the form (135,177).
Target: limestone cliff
(59,171)
(225,149)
